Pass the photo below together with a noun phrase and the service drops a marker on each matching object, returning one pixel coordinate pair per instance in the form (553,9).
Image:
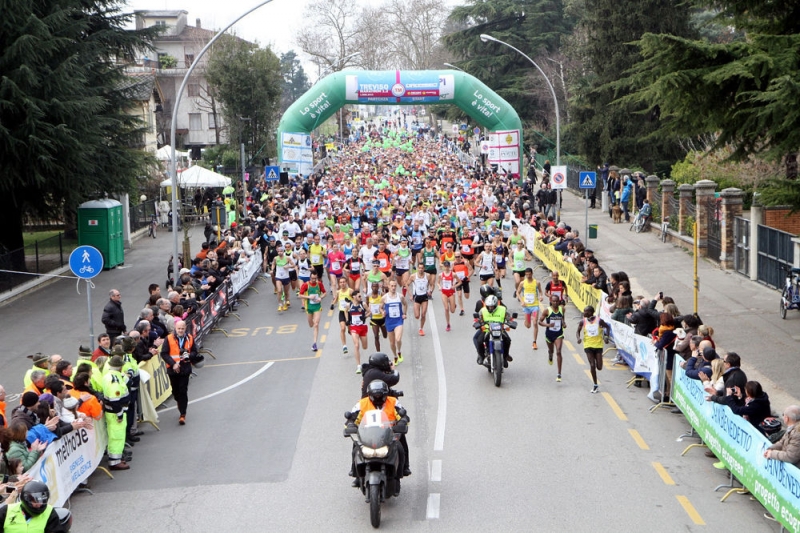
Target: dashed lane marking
(615,407)
(570,347)
(322,339)
(690,510)
(639,440)
(327,325)
(436,470)
(433,506)
(330,312)
(663,474)
(578,358)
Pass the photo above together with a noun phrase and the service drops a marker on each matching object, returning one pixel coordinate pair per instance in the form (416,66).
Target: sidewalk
(743,313)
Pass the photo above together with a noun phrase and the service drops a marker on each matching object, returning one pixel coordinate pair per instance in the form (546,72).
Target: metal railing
(140,214)
(39,257)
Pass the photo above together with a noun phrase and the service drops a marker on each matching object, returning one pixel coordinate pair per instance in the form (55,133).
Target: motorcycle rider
(381,367)
(378,399)
(31,512)
(477,339)
(493,311)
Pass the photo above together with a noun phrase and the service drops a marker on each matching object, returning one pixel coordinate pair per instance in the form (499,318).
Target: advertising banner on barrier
(639,352)
(68,461)
(740,446)
(243,277)
(158,386)
(202,321)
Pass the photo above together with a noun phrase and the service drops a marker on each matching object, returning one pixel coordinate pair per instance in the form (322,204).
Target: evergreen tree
(605,126)
(295,81)
(64,133)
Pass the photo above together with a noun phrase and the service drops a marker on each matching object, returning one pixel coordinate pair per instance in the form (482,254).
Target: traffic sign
(476,131)
(559,178)
(272,173)
(588,180)
(86,262)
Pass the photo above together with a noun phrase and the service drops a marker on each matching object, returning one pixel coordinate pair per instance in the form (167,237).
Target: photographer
(179,353)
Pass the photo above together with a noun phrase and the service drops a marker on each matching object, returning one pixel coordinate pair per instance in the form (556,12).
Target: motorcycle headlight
(370,453)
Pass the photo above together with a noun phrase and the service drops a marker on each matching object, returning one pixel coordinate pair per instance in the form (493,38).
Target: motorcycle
(493,345)
(64,520)
(376,460)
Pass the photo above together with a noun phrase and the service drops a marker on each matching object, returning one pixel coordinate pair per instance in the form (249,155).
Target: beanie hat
(117,350)
(29,399)
(115,362)
(70,402)
(47,397)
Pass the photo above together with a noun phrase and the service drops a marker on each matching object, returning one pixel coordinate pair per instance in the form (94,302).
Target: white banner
(242,277)
(68,461)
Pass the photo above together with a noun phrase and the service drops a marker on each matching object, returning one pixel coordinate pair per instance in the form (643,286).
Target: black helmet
(34,497)
(377,391)
(486,290)
(381,361)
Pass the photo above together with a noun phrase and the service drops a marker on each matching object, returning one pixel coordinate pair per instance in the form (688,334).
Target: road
(263,446)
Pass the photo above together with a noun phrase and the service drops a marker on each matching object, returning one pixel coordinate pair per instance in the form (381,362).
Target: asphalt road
(263,447)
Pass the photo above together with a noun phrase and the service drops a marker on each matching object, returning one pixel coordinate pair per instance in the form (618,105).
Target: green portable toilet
(100,225)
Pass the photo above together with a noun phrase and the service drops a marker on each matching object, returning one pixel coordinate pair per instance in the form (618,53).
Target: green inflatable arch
(396,87)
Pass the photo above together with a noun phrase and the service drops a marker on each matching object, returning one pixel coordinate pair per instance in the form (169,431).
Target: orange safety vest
(365,404)
(3,412)
(30,388)
(90,407)
(175,348)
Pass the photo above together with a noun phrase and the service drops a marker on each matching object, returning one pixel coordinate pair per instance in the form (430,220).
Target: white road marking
(436,470)
(433,507)
(441,416)
(226,389)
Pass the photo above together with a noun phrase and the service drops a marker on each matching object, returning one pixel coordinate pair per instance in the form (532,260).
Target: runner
(377,319)
(447,282)
(282,279)
(486,263)
(317,254)
(500,256)
(395,306)
(313,293)
(402,264)
(336,261)
(529,293)
(303,272)
(592,341)
(421,292)
(556,287)
(553,320)
(376,276)
(430,258)
(353,269)
(518,258)
(357,320)
(343,299)
(463,272)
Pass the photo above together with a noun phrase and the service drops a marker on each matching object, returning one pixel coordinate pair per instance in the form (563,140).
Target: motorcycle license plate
(495,326)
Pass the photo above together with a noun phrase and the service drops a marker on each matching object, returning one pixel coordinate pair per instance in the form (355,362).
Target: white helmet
(491,303)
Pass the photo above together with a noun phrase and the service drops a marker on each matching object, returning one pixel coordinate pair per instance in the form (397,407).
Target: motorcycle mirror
(514,315)
(348,415)
(475,315)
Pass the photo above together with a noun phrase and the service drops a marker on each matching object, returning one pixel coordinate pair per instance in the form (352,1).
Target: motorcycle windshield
(375,429)
(495,326)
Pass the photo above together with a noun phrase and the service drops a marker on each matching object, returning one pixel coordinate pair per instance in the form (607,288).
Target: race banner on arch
(503,150)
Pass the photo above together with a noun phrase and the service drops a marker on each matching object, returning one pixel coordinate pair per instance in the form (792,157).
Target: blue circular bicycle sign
(86,262)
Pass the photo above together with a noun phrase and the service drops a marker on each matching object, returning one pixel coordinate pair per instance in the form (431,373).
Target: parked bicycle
(790,298)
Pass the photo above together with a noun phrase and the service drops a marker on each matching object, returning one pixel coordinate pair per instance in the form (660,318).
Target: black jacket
(644,320)
(370,373)
(113,319)
(756,411)
(734,377)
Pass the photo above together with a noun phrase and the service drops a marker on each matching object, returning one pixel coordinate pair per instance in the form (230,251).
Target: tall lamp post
(174,160)
(244,181)
(486,38)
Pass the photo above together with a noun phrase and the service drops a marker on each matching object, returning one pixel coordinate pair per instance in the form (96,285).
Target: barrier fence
(734,440)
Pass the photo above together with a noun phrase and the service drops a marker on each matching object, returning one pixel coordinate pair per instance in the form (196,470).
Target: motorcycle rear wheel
(375,505)
(498,363)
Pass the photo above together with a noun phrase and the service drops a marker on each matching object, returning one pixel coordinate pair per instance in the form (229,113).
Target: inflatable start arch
(397,87)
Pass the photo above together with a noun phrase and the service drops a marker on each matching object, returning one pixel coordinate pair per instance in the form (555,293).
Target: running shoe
(314,347)
(398,359)
(558,378)
(358,369)
(421,333)
(550,359)
(535,347)
(461,313)
(447,328)
(344,349)
(594,389)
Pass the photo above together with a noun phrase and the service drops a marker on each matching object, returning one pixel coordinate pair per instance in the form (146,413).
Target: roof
(139,85)
(189,33)
(162,14)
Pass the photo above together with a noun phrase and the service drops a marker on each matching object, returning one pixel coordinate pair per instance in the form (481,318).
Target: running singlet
(530,296)
(519,260)
(375,307)
(429,259)
(420,286)
(393,308)
(557,319)
(447,283)
(304,269)
(592,334)
(416,240)
(344,299)
(385,259)
(355,266)
(314,291)
(556,290)
(466,246)
(403,258)
(487,263)
(461,271)
(357,313)
(374,277)
(317,252)
(289,255)
(336,262)
(281,272)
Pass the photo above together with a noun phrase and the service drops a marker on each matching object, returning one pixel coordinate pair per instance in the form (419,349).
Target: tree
(64,133)
(247,82)
(415,27)
(331,33)
(295,81)
(607,127)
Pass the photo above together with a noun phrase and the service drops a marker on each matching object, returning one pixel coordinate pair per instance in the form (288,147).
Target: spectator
(145,347)
(103,346)
(714,383)
(622,308)
(64,373)
(113,316)
(707,332)
(756,404)
(16,447)
(645,318)
(735,381)
(788,448)
(37,382)
(664,339)
(164,316)
(701,363)
(40,362)
(26,412)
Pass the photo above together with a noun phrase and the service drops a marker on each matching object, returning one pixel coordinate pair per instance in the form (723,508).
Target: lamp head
(486,38)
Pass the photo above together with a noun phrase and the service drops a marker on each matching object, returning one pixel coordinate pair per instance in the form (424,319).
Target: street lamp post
(174,161)
(486,38)
(450,65)
(244,181)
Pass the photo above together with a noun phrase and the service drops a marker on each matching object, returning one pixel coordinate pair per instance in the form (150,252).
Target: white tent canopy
(197,176)
(165,153)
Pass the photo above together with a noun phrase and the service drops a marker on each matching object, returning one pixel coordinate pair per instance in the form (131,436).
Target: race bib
(336,265)
(344,305)
(280,272)
(447,284)
(356,320)
(315,259)
(556,321)
(530,298)
(592,328)
(383,262)
(461,275)
(466,249)
(355,266)
(394,311)
(375,309)
(519,265)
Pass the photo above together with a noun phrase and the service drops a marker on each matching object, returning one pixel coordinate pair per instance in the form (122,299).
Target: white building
(199,119)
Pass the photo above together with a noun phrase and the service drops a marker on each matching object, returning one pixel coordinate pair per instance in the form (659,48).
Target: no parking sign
(559,178)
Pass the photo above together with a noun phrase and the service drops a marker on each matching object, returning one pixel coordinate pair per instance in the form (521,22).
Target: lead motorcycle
(375,458)
(493,344)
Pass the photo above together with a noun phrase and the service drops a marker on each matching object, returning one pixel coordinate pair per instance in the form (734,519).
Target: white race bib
(383,262)
(466,249)
(336,265)
(556,321)
(315,259)
(375,309)
(447,284)
(356,320)
(461,275)
(519,265)
(429,260)
(530,298)
(394,311)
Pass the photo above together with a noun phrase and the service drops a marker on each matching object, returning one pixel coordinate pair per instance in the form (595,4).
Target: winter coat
(788,448)
(756,410)
(113,319)
(19,450)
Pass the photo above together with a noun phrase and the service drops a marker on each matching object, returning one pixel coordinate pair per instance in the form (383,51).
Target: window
(188,59)
(194,89)
(162,23)
(195,121)
(212,121)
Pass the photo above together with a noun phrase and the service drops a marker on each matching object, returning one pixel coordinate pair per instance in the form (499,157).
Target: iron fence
(141,214)
(775,255)
(39,257)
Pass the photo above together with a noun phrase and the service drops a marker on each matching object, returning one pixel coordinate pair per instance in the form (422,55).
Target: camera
(185,357)
(396,393)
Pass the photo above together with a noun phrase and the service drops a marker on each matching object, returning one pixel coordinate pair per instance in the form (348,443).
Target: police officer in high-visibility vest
(178,353)
(130,367)
(115,404)
(31,513)
(494,312)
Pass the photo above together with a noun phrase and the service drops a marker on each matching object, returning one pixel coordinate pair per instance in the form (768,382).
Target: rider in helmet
(493,311)
(31,511)
(378,398)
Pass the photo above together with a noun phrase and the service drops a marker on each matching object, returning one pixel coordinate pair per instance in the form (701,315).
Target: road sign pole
(91,321)
(586,226)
